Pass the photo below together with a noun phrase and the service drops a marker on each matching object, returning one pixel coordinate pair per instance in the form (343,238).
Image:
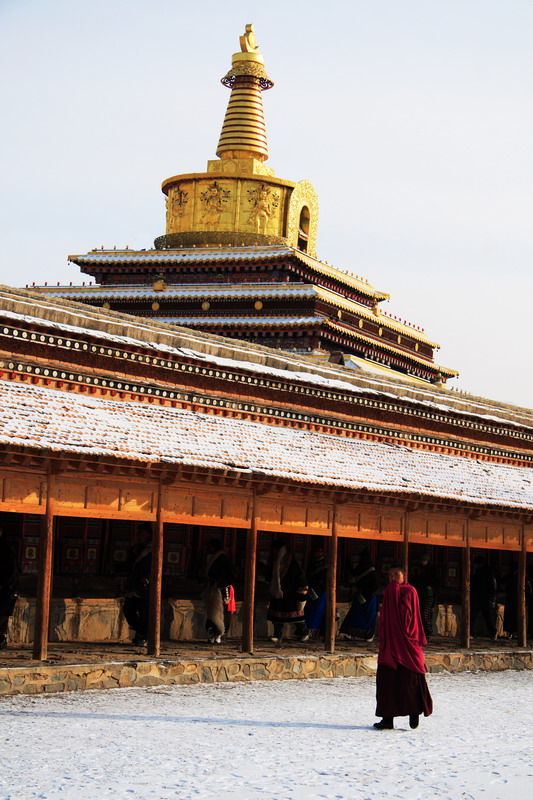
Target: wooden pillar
(405,548)
(465,592)
(331,591)
(44,579)
(522,608)
(249,582)
(156,580)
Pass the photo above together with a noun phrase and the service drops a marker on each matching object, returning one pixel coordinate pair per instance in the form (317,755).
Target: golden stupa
(238,200)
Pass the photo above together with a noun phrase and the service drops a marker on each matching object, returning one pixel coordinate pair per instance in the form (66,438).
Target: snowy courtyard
(290,740)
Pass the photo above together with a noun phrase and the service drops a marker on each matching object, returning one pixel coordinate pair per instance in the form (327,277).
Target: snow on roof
(47,419)
(183,255)
(230,254)
(187,291)
(225,291)
(254,322)
(325,376)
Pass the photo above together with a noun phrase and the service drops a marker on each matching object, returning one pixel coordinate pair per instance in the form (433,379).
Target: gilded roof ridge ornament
(247,40)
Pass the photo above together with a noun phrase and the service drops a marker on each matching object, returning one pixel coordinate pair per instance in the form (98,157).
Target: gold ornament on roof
(159,283)
(239,201)
(243,132)
(247,40)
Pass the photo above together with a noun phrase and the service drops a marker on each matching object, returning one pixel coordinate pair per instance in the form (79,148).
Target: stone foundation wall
(88,620)
(38,679)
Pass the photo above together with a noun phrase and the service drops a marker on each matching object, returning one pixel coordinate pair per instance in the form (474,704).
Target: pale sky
(412,118)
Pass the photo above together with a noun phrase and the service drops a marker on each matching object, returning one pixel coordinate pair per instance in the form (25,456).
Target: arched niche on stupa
(302,223)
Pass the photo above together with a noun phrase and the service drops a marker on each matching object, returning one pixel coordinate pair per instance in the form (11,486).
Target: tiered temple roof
(111,406)
(239,258)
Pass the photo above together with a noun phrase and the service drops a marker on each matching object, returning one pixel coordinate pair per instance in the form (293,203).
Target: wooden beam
(521,607)
(44,579)
(331,591)
(465,591)
(156,581)
(405,545)
(249,582)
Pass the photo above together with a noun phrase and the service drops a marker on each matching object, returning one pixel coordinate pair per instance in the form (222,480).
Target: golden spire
(243,132)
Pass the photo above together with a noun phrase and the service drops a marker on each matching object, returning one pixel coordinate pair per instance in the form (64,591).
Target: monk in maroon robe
(401,688)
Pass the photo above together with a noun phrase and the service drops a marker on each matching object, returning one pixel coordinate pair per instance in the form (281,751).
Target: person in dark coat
(401,688)
(315,606)
(510,586)
(360,621)
(425,579)
(219,595)
(483,587)
(529,600)
(288,594)
(8,586)
(137,591)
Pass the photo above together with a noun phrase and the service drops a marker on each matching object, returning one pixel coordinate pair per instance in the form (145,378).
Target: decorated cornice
(59,326)
(224,255)
(223,291)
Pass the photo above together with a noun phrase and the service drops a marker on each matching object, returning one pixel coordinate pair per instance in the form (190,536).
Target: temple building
(228,385)
(238,258)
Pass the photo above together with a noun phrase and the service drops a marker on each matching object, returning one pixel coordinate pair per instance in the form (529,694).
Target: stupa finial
(243,131)
(247,40)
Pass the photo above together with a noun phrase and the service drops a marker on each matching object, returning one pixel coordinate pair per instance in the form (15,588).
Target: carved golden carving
(240,166)
(159,283)
(176,203)
(217,237)
(303,195)
(206,305)
(255,69)
(264,203)
(179,201)
(213,200)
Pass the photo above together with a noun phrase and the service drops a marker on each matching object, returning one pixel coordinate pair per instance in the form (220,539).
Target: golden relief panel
(180,206)
(176,205)
(213,204)
(264,203)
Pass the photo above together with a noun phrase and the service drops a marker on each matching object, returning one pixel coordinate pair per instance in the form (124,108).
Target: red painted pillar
(249,582)
(44,579)
(331,593)
(156,581)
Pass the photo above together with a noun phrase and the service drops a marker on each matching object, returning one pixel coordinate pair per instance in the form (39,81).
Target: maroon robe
(401,687)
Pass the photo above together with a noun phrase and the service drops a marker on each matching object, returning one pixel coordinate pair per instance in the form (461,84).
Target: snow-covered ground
(293,740)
